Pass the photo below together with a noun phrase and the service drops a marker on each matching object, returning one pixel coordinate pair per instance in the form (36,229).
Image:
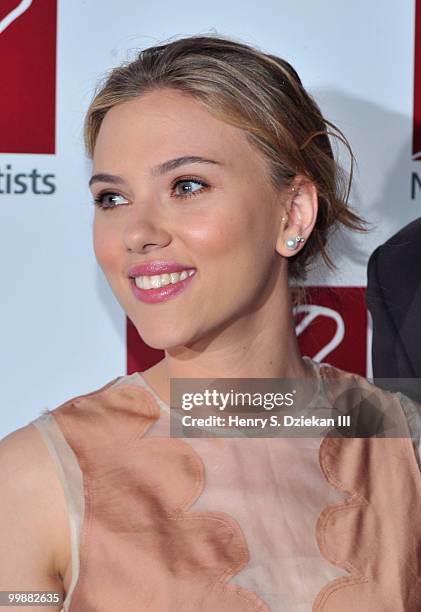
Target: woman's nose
(145,230)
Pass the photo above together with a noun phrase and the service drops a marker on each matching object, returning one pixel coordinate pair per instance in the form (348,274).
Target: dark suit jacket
(394,299)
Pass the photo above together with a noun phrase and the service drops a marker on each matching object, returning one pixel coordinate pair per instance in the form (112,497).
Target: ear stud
(292,243)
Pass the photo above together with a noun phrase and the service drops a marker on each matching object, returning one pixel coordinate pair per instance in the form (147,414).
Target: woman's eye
(183,188)
(188,187)
(109,200)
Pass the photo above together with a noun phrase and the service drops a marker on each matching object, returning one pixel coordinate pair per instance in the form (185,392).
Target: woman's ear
(299,218)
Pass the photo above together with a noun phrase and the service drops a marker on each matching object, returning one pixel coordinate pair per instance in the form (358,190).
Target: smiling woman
(214,185)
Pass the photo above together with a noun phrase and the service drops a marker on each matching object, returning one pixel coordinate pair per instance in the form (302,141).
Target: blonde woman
(215,185)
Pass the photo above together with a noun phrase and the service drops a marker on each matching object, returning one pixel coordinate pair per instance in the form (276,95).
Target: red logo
(332,327)
(416,138)
(28,76)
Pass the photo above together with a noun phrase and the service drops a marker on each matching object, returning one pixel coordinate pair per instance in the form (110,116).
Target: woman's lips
(161,294)
(157,267)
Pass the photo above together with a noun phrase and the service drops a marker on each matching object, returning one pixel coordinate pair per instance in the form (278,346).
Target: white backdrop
(62,331)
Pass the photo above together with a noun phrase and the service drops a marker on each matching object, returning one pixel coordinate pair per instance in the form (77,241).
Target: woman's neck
(244,350)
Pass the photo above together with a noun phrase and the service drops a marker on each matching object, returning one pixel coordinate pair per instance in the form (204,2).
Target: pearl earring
(292,243)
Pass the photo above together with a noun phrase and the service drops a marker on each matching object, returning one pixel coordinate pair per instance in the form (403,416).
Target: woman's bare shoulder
(33,515)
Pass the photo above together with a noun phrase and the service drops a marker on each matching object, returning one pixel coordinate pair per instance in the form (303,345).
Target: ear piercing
(292,243)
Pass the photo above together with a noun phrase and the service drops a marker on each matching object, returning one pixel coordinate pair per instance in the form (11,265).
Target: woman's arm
(33,517)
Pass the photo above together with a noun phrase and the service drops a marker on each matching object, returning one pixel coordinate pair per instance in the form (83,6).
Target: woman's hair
(257,92)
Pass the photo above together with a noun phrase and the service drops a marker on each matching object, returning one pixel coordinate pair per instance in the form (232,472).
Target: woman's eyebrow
(171,164)
(158,170)
(105,178)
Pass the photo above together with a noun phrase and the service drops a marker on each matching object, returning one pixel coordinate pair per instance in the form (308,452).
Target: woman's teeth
(160,280)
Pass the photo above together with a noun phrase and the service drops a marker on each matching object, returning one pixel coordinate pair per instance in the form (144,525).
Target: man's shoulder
(396,261)
(401,244)
(409,234)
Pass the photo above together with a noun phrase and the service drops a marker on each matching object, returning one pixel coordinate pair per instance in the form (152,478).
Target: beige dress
(160,524)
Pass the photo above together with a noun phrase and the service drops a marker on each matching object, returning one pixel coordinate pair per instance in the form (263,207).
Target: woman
(215,184)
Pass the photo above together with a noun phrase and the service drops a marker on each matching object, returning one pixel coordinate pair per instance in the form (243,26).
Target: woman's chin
(162,339)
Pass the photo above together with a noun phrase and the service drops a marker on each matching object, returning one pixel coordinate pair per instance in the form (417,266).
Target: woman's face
(226,229)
